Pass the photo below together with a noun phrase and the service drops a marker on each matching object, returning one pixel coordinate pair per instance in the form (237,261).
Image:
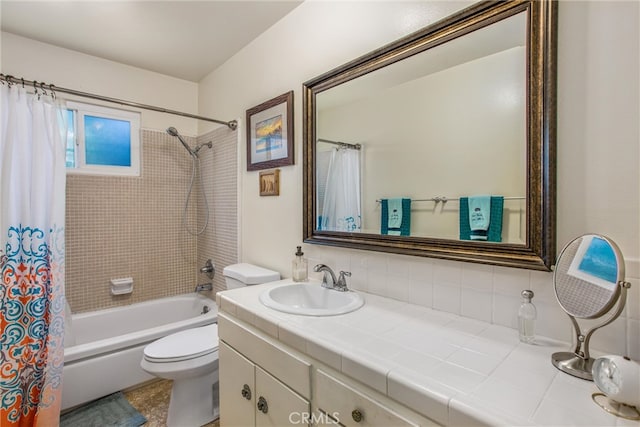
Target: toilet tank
(243,274)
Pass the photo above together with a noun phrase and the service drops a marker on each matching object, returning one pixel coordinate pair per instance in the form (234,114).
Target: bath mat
(113,410)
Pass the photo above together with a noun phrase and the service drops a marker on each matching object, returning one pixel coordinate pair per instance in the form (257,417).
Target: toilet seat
(189,358)
(183,345)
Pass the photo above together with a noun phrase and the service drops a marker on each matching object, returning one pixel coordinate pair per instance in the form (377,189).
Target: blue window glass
(107,141)
(71,140)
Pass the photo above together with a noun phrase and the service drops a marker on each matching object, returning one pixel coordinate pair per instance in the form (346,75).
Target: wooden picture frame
(270,183)
(270,133)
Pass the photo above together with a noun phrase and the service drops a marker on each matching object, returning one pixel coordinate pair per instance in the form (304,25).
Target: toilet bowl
(190,359)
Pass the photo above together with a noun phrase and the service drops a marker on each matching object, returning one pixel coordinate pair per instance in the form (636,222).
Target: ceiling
(183,39)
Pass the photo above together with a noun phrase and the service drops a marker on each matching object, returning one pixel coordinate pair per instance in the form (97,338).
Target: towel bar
(444,199)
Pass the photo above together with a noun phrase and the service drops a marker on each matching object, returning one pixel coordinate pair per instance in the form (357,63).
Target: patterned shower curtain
(32,206)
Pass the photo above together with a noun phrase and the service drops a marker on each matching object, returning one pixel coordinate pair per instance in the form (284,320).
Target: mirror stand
(589,284)
(616,408)
(579,363)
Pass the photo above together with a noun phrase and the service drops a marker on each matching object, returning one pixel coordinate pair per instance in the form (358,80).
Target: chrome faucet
(204,287)
(329,280)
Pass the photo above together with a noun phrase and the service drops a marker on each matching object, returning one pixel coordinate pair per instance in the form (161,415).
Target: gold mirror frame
(538,252)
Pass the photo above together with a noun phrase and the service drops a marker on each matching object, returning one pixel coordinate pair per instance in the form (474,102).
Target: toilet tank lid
(250,274)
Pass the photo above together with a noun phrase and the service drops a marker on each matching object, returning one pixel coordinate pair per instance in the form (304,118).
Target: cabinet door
(237,388)
(276,404)
(270,354)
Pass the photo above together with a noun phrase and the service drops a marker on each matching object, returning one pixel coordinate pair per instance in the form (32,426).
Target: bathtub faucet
(208,269)
(204,287)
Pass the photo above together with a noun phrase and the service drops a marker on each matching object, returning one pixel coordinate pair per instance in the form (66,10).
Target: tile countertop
(454,370)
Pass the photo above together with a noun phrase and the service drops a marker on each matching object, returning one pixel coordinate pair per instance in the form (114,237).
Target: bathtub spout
(204,287)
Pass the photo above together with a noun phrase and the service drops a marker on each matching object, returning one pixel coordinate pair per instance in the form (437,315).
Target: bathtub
(103,349)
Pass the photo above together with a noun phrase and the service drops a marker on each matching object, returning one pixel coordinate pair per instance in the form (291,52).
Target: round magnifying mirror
(588,282)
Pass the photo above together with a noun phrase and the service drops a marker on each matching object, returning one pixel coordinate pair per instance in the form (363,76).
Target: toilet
(190,359)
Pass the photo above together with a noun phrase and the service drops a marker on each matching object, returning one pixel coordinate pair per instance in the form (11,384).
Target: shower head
(201,146)
(174,132)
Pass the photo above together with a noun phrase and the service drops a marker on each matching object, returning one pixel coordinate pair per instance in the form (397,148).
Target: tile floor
(152,401)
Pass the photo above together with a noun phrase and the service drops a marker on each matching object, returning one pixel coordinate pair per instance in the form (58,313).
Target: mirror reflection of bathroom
(399,115)
(589,284)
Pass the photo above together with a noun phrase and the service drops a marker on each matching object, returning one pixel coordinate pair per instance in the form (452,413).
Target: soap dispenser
(527,315)
(300,272)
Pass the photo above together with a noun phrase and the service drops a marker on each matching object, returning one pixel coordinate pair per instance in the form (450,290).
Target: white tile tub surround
(452,369)
(483,292)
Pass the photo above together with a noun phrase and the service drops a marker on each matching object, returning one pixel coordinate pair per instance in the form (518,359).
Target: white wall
(33,60)
(598,154)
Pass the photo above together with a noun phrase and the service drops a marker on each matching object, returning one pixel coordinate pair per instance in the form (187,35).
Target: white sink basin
(310,300)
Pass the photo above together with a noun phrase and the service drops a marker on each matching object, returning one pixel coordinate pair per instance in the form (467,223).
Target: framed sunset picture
(270,133)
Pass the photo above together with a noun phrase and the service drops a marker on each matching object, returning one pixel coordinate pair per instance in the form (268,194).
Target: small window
(102,141)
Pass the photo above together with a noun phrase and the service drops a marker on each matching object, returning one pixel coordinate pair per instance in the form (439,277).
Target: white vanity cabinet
(261,382)
(296,389)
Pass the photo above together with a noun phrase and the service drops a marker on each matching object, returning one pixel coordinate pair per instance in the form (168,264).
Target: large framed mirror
(440,144)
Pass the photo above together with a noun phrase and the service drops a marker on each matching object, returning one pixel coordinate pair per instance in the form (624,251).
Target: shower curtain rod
(341,144)
(233,124)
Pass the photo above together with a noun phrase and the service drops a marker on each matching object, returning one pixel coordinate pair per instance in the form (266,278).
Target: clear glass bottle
(300,271)
(527,315)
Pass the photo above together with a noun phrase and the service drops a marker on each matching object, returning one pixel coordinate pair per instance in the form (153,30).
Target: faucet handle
(209,269)
(342,281)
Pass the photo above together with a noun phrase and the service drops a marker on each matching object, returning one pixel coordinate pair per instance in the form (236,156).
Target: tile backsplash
(483,292)
(132,226)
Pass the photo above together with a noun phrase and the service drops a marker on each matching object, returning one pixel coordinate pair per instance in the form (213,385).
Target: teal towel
(395,214)
(405,224)
(494,233)
(479,216)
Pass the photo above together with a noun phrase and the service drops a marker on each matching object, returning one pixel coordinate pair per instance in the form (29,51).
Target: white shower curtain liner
(341,210)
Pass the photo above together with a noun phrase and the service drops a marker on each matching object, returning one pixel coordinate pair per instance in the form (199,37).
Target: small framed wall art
(270,183)
(270,133)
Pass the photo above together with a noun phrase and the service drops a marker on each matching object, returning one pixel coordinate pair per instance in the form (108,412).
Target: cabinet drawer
(273,357)
(353,408)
